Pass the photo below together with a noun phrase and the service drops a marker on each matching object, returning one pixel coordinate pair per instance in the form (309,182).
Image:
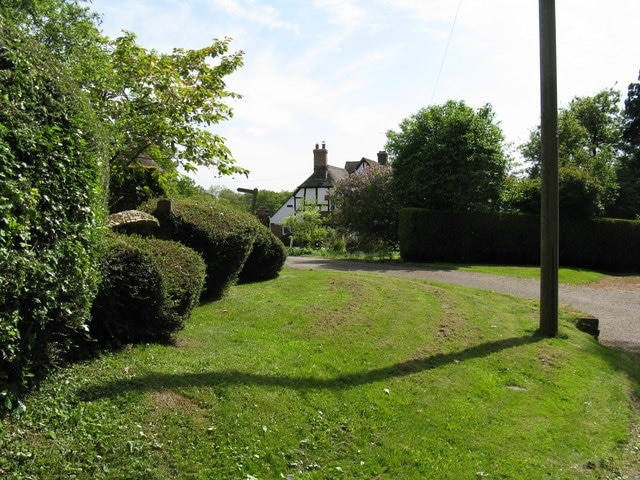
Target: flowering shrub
(365,206)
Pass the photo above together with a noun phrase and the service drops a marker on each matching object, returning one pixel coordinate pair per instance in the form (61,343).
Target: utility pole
(549,227)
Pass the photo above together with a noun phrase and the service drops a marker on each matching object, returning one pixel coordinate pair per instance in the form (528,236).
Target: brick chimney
(383,157)
(320,161)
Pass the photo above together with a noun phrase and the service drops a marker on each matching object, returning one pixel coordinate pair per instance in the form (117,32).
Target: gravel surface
(615,302)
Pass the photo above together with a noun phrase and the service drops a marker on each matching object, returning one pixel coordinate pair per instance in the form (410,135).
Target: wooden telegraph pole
(549,232)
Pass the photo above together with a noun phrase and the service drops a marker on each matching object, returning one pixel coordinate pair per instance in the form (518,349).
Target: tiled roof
(350,167)
(325,178)
(371,163)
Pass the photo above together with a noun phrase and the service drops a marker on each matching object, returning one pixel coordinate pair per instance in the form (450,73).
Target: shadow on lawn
(161,381)
(348,265)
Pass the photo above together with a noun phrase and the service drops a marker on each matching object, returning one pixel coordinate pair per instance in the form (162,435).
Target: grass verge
(329,375)
(566,275)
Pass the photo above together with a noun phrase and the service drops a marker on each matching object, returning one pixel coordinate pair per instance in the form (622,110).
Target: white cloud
(344,13)
(346,71)
(368,61)
(255,12)
(429,10)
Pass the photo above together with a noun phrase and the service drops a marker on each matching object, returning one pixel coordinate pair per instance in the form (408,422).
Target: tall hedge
(604,244)
(223,235)
(49,179)
(147,291)
(430,235)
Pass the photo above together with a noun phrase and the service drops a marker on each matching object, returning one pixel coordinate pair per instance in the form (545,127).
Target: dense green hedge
(609,244)
(49,179)
(267,257)
(148,289)
(468,237)
(223,236)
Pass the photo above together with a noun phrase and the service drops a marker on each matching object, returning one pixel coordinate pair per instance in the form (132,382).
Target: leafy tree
(267,200)
(231,197)
(589,132)
(67,30)
(271,201)
(628,171)
(365,206)
(448,157)
(161,105)
(184,186)
(156,106)
(521,194)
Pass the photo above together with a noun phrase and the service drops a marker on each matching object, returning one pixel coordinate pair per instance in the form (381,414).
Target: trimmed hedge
(267,257)
(50,176)
(223,236)
(514,239)
(148,289)
(608,244)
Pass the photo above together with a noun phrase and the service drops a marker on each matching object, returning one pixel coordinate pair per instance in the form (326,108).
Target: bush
(148,289)
(266,259)
(222,235)
(608,244)
(49,181)
(514,239)
(430,236)
(308,227)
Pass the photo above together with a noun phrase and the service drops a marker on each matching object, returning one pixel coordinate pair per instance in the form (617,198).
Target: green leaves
(628,168)
(365,205)
(157,105)
(448,156)
(48,190)
(72,103)
(307,226)
(163,105)
(589,133)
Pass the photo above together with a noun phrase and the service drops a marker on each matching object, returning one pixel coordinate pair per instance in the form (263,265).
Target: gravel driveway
(615,303)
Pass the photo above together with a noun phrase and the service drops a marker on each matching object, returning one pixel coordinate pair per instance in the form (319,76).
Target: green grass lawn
(332,375)
(565,275)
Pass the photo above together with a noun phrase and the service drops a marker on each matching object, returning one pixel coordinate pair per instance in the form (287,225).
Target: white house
(315,189)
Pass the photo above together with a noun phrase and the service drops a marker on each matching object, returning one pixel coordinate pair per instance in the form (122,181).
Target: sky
(345,72)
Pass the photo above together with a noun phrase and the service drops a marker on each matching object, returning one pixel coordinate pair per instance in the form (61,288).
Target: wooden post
(549,232)
(254,199)
(164,206)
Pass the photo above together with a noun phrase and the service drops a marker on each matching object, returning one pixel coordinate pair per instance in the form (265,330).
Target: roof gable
(351,167)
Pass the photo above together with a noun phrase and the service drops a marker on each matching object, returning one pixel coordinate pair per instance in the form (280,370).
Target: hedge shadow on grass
(161,381)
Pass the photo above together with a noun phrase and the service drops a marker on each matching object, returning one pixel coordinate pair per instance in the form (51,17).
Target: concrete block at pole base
(589,325)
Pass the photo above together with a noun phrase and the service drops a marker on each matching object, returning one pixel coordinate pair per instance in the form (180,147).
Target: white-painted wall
(286,210)
(302,195)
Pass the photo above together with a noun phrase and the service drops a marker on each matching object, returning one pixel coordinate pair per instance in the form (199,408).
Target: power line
(446,50)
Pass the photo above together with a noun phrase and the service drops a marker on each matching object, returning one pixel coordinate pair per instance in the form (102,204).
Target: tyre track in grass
(615,304)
